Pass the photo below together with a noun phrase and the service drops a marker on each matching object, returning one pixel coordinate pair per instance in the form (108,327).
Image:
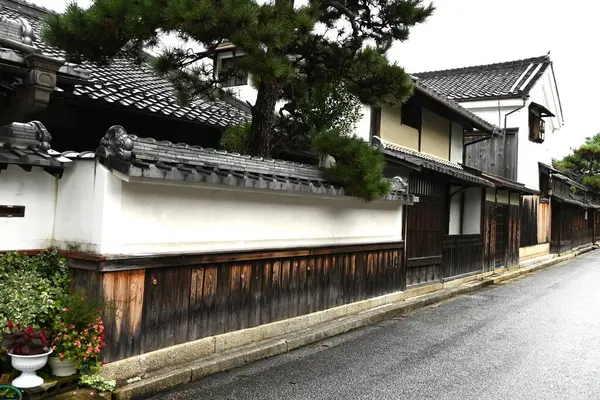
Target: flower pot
(28,365)
(62,367)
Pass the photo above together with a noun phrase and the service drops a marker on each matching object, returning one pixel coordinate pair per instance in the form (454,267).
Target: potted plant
(28,350)
(78,337)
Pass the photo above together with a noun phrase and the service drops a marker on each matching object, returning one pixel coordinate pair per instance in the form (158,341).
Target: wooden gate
(501,235)
(425,229)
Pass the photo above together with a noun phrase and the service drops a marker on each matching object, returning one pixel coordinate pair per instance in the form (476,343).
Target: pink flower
(61,355)
(65,309)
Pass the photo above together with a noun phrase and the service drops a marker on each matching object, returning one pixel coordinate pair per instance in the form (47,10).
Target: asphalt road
(534,338)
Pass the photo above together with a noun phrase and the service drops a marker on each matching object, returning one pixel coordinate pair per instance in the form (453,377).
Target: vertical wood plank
(195,312)
(124,293)
(210,324)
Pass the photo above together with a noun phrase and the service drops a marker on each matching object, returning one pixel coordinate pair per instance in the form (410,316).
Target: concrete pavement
(532,338)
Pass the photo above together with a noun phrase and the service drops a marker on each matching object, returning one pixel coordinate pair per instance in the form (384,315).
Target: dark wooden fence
(583,236)
(168,301)
(529,221)
(462,255)
(511,232)
(570,227)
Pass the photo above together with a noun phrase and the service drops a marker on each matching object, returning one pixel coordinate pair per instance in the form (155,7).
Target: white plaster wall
(455,212)
(456,143)
(168,219)
(83,214)
(472,212)
(529,153)
(36,190)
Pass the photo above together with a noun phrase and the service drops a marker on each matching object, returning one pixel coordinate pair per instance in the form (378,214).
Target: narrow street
(534,338)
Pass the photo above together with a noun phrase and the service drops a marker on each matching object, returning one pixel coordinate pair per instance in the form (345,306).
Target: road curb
(231,358)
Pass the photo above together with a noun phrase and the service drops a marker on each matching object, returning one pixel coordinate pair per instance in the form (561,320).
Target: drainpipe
(515,110)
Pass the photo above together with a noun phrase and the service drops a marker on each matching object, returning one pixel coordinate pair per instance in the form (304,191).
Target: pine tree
(583,164)
(286,49)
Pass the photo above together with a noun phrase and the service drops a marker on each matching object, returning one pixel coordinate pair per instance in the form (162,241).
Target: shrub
(358,167)
(236,139)
(79,333)
(32,288)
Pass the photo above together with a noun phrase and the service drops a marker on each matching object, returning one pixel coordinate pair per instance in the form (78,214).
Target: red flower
(10,324)
(29,331)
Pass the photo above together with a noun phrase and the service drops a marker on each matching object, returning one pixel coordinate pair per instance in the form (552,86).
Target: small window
(238,79)
(410,115)
(12,211)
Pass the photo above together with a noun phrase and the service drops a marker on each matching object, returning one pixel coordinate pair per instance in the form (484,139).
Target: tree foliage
(583,164)
(358,167)
(287,49)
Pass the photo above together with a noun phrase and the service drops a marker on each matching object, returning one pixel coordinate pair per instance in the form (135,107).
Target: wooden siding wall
(529,221)
(489,235)
(535,221)
(497,156)
(544,222)
(154,308)
(462,255)
(570,228)
(427,223)
(511,255)
(514,235)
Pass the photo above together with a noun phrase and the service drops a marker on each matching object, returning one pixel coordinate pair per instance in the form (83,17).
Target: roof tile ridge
(503,64)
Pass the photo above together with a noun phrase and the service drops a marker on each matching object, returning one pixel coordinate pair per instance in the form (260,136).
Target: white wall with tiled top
(36,190)
(94,210)
(180,219)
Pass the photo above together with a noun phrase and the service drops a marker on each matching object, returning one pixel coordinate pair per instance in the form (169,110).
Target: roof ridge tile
(497,65)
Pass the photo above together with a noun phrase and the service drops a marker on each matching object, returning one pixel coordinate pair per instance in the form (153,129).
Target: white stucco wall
(472,211)
(529,153)
(36,190)
(168,219)
(456,143)
(98,211)
(455,212)
(87,209)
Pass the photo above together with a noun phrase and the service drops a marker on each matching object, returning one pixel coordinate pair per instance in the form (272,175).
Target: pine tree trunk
(263,120)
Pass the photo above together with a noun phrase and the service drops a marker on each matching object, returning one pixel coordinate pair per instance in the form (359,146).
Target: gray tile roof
(28,145)
(123,83)
(493,81)
(148,158)
(477,121)
(430,162)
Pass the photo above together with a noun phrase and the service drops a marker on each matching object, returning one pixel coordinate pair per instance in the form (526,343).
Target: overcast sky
(473,32)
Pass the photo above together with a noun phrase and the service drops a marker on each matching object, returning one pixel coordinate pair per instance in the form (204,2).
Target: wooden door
(501,235)
(426,225)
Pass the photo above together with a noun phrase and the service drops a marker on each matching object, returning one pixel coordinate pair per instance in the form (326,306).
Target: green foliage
(32,288)
(236,139)
(98,383)
(78,333)
(10,392)
(583,164)
(329,106)
(282,48)
(358,167)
